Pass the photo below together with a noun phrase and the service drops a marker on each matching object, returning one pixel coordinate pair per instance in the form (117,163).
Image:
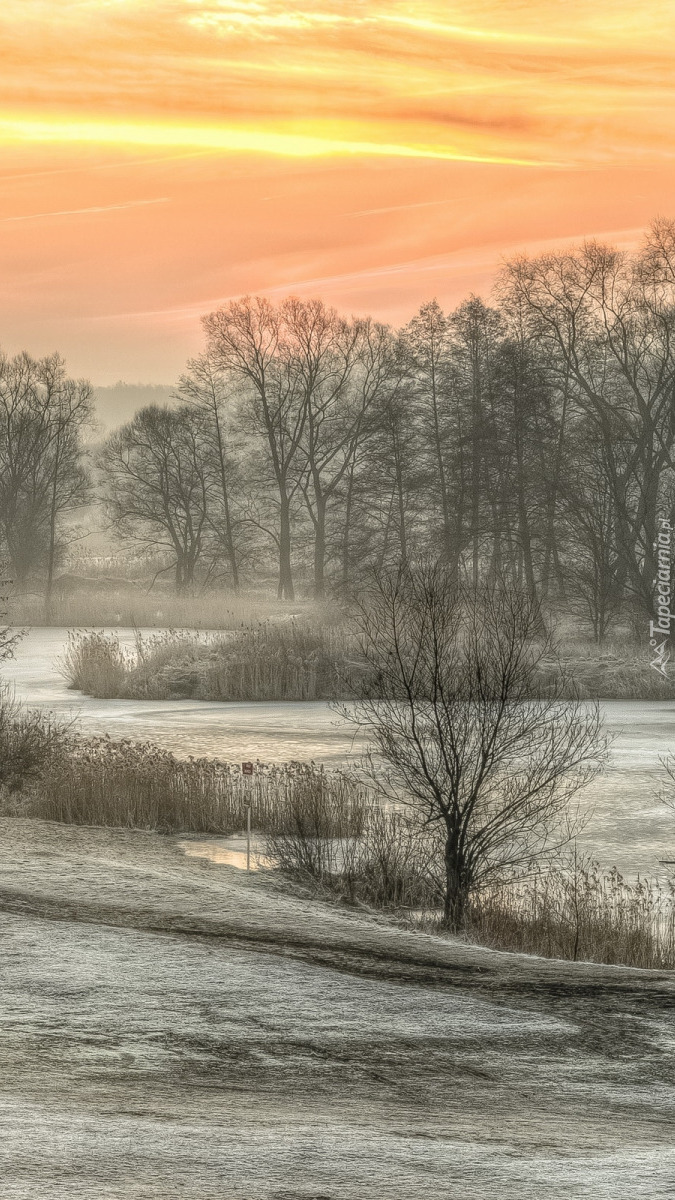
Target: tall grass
(578,911)
(610,673)
(272,661)
(111,605)
(290,661)
(297,660)
(31,744)
(138,786)
(96,664)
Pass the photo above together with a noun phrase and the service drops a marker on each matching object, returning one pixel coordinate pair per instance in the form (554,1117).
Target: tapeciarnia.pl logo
(660,628)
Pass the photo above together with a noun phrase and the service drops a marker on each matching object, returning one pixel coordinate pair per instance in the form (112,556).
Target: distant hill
(117,403)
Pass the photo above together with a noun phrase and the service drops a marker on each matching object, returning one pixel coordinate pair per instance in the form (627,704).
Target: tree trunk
(229,535)
(456,887)
(346,564)
(400,496)
(180,578)
(51,557)
(438,446)
(320,548)
(476,419)
(286,590)
(550,538)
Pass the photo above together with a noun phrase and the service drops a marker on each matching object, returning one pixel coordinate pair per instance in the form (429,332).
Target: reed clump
(578,911)
(136,785)
(95,664)
(271,661)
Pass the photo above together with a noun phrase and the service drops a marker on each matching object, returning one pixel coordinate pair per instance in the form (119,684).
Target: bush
(383,858)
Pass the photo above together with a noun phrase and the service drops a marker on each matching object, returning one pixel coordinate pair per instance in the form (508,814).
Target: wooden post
(247,769)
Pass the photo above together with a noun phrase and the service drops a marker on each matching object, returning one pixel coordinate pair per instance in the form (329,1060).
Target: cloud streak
(76,212)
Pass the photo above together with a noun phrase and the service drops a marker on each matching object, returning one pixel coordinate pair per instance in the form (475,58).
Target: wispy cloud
(76,212)
(390,208)
(488,257)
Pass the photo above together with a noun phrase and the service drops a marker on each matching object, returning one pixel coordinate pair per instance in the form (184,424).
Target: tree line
(529,439)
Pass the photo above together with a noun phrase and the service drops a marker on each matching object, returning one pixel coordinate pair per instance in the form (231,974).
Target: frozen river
(629,826)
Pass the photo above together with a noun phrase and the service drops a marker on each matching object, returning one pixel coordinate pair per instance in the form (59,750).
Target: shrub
(379,857)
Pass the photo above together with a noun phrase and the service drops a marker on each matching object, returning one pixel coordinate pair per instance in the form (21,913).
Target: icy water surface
(629,826)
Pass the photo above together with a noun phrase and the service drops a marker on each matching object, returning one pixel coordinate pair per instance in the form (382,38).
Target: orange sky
(159,156)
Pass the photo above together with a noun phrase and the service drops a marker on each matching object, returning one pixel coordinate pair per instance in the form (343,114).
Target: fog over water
(629,826)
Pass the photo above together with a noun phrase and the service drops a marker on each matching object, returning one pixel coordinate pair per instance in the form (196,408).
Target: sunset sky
(161,156)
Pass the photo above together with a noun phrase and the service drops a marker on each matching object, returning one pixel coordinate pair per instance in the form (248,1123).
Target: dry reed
(271,661)
(136,785)
(108,605)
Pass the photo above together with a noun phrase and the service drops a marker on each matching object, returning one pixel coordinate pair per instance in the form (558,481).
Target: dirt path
(172,1028)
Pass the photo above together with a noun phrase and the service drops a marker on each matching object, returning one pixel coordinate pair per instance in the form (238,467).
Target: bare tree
(42,413)
(69,403)
(606,322)
(339,416)
(325,349)
(426,342)
(156,485)
(462,727)
(205,386)
(593,563)
(476,330)
(249,342)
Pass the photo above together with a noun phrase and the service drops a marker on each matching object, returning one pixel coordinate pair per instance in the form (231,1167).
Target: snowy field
(173,1028)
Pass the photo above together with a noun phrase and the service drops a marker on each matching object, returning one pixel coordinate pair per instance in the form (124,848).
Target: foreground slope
(173,1028)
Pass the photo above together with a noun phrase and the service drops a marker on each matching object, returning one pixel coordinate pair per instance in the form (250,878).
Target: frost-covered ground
(174,1028)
